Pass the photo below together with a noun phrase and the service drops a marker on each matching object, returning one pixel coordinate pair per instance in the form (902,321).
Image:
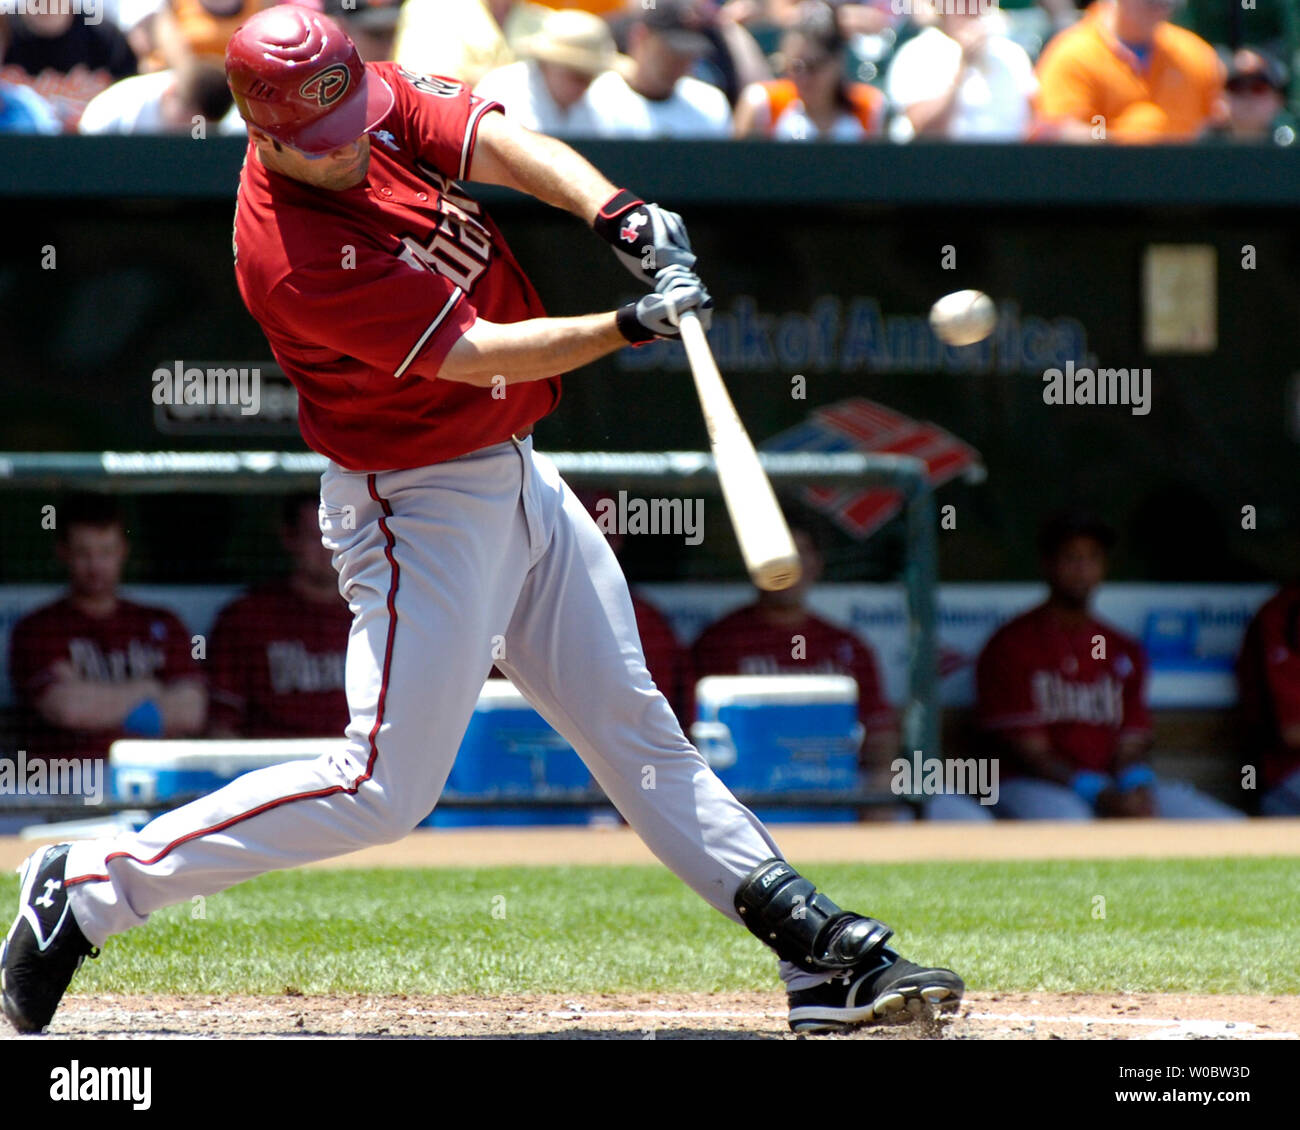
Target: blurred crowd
(1143,71)
(1061,694)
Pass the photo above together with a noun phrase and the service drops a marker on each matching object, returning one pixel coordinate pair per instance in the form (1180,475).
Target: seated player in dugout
(1061,698)
(276,657)
(449,530)
(93,666)
(1268,684)
(778,635)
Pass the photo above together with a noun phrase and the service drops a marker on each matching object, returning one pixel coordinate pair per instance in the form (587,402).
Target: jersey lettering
(136,661)
(1099,703)
(452,199)
(447,257)
(429,84)
(461,248)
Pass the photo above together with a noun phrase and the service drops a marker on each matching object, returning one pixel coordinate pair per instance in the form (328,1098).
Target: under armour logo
(51,885)
(630,232)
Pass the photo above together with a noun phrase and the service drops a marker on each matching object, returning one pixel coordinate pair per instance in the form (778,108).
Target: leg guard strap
(788,913)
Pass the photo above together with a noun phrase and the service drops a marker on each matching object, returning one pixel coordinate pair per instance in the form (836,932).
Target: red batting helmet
(296,76)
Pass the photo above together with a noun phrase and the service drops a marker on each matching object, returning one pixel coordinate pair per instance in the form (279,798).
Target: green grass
(1210,926)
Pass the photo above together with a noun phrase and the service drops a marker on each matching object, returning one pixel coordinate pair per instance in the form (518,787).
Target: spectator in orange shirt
(1125,73)
(202,28)
(595,7)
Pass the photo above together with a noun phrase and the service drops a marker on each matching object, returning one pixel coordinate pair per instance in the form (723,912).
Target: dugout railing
(281,472)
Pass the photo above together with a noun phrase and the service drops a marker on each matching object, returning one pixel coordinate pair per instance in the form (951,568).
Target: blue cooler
(782,733)
(156,771)
(510,751)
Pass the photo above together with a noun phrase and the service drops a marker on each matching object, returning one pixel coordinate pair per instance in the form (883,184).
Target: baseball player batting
(423,358)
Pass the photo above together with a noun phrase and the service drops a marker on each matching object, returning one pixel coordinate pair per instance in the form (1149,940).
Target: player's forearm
(490,353)
(184,707)
(79,704)
(1132,747)
(541,166)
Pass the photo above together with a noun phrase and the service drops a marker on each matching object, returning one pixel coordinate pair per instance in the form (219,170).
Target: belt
(522,433)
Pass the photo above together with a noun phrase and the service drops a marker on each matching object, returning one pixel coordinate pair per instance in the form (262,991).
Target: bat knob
(781,573)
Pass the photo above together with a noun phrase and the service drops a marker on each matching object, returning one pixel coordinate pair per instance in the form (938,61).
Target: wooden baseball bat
(765,541)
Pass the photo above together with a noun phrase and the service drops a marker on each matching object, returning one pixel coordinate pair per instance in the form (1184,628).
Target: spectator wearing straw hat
(548,89)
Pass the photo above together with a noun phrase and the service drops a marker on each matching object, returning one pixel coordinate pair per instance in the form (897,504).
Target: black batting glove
(645,237)
(677,289)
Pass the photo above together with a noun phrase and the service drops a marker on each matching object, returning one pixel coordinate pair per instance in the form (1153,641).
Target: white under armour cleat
(44,947)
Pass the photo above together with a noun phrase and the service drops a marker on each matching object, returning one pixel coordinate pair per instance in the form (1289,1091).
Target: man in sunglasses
(1256,90)
(1125,73)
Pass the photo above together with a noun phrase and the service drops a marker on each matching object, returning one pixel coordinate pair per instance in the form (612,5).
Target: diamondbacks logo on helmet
(327,86)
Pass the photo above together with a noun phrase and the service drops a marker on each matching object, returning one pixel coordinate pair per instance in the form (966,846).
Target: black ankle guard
(788,913)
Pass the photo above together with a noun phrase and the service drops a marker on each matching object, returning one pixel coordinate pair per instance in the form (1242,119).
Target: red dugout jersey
(135,642)
(1035,674)
(277,665)
(362,293)
(746,642)
(1268,680)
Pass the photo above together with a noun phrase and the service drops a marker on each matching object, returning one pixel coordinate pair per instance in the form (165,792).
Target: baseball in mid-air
(963,317)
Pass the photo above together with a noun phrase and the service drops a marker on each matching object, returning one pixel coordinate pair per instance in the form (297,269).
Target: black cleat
(882,985)
(44,947)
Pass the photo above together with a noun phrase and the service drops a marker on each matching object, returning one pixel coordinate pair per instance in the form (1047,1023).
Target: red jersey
(362,293)
(277,665)
(746,642)
(1268,680)
(1036,675)
(663,654)
(135,642)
